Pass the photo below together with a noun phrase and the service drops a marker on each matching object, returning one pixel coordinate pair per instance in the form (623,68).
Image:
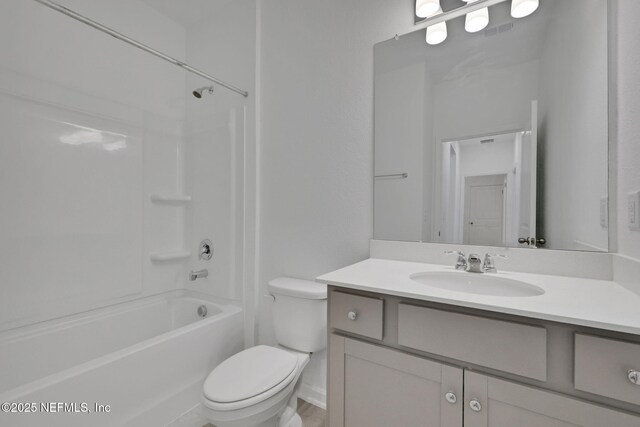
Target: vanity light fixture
(476,13)
(476,20)
(437,33)
(522,8)
(427,8)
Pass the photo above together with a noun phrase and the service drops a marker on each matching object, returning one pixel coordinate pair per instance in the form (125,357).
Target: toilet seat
(249,377)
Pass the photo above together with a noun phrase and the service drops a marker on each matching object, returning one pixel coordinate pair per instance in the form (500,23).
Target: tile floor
(311,415)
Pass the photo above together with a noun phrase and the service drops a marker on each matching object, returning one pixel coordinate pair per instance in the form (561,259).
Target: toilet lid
(249,373)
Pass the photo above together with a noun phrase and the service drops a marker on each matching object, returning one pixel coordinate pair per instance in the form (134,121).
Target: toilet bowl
(258,386)
(253,388)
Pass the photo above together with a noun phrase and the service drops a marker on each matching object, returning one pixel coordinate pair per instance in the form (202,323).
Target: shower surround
(112,173)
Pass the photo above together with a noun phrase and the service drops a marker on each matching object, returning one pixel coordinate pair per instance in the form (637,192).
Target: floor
(311,415)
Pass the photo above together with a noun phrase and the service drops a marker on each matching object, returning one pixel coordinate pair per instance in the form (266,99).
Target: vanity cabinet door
(491,402)
(375,386)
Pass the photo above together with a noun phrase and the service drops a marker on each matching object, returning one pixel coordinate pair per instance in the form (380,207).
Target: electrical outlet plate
(633,211)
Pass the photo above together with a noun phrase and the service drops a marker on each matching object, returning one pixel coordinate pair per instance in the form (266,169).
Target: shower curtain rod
(90,22)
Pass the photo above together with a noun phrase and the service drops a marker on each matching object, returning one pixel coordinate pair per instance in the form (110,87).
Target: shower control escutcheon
(205,250)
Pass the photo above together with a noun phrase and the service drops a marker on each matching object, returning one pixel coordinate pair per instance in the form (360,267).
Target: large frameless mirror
(499,136)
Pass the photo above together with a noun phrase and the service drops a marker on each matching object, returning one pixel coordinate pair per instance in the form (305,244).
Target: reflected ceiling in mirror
(498,137)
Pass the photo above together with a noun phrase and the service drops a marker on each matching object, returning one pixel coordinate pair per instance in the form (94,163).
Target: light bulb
(427,8)
(436,33)
(522,8)
(476,20)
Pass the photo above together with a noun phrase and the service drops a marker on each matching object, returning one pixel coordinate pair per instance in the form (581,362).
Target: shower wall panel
(90,127)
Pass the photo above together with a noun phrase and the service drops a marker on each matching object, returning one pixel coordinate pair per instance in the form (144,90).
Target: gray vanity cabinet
(399,362)
(492,402)
(375,386)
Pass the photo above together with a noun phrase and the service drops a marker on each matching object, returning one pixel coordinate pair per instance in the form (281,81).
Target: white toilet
(258,386)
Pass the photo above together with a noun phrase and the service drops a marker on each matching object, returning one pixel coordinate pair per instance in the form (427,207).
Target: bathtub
(140,363)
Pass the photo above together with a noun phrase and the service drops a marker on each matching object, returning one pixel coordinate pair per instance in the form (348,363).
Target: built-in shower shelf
(169,256)
(170,199)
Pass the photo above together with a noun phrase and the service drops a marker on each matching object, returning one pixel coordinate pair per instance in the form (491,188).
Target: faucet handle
(461,263)
(488,265)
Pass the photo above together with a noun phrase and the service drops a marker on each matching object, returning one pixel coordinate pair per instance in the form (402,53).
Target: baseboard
(314,395)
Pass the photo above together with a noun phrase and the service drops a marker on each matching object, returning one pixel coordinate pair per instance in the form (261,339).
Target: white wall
(573,126)
(83,115)
(628,125)
(316,137)
(461,111)
(487,159)
(401,111)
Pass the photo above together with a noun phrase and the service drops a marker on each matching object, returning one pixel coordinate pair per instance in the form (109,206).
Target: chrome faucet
(474,264)
(194,275)
(489,266)
(461,263)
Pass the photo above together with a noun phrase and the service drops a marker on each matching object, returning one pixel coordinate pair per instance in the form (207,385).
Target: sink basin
(475,283)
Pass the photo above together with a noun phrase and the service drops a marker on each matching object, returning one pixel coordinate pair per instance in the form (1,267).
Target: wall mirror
(496,137)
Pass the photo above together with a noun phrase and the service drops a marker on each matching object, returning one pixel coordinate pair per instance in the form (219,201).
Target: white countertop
(587,302)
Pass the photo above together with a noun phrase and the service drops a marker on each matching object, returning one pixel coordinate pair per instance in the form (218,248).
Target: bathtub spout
(194,275)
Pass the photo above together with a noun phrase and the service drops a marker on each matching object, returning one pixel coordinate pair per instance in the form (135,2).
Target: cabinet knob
(451,397)
(475,405)
(634,376)
(352,315)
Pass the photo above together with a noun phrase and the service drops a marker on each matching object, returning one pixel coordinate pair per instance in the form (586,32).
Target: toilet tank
(299,313)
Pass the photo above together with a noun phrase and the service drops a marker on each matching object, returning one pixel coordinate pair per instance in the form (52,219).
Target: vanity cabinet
(375,386)
(606,367)
(508,346)
(356,314)
(493,402)
(401,362)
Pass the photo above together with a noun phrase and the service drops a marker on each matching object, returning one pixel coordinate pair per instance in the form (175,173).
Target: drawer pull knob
(634,376)
(451,397)
(352,315)
(475,405)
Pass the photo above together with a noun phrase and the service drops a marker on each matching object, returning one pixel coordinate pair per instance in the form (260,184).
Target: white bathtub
(145,359)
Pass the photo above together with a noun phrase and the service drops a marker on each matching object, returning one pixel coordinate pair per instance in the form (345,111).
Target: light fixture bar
(452,14)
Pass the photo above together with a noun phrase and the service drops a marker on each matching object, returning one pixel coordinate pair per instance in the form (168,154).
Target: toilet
(258,386)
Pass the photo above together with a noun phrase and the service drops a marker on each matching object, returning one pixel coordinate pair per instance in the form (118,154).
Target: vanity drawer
(356,314)
(506,346)
(602,367)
